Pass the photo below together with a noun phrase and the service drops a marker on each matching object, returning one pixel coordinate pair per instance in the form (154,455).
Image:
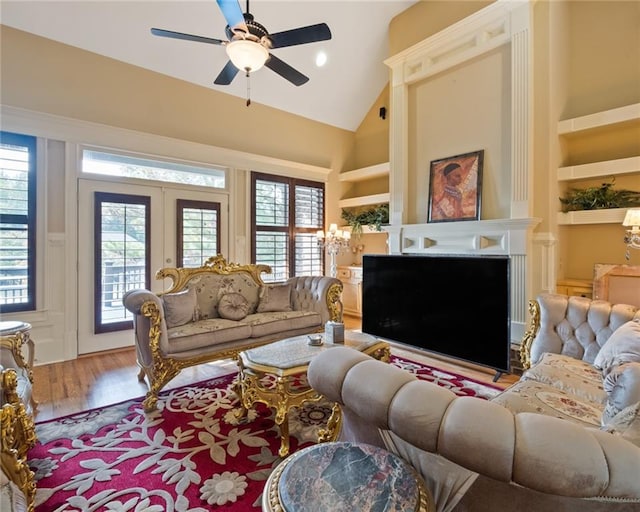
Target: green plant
(373,216)
(597,198)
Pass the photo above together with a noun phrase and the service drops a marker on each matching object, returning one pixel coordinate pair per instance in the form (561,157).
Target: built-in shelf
(611,216)
(364,200)
(595,169)
(365,173)
(613,119)
(366,230)
(600,119)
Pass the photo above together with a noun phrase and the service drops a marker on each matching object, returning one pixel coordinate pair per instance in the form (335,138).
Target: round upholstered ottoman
(345,477)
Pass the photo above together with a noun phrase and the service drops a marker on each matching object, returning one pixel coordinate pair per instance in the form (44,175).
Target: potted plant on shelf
(597,198)
(372,216)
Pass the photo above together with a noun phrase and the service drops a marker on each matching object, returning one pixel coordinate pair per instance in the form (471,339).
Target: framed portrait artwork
(455,186)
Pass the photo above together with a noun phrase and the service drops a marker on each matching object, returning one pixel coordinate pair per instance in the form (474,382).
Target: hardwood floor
(110,377)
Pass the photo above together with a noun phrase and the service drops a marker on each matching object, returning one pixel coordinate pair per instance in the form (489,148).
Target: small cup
(315,339)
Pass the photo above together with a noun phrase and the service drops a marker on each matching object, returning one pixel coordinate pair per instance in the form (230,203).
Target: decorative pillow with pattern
(626,424)
(180,308)
(623,346)
(233,306)
(275,297)
(622,386)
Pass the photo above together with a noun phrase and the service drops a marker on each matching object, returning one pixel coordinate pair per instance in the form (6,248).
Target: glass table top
(296,351)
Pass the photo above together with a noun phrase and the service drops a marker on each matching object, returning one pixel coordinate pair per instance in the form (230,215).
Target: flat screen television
(457,306)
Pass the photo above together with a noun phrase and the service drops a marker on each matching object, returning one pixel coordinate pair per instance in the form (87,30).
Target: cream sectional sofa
(566,437)
(217,310)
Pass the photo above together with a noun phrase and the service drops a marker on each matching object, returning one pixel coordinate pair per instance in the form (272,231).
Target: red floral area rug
(191,455)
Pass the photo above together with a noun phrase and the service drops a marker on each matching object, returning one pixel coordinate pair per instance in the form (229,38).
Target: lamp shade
(632,218)
(247,55)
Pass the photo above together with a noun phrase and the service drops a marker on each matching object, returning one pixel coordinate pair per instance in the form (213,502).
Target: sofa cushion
(205,334)
(626,424)
(623,346)
(233,306)
(275,297)
(536,397)
(265,324)
(180,307)
(622,386)
(566,373)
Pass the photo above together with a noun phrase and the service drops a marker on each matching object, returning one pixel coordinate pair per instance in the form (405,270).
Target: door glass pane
(198,232)
(122,260)
(272,249)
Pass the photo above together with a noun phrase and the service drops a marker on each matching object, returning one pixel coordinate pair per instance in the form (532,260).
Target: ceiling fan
(249,44)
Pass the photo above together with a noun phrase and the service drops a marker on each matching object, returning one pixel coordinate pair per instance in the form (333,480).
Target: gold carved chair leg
(17,438)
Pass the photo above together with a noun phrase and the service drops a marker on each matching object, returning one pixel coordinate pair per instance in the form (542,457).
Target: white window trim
(99,135)
(150,156)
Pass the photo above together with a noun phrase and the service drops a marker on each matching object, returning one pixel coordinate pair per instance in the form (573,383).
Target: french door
(126,232)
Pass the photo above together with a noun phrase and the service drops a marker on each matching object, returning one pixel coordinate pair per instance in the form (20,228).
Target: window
(198,232)
(114,164)
(121,255)
(17,222)
(286,215)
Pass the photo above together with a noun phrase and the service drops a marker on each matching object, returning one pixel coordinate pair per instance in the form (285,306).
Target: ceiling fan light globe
(247,55)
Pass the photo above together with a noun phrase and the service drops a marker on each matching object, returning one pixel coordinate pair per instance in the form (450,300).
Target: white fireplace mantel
(486,237)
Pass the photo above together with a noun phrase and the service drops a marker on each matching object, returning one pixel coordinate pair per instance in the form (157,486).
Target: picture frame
(455,188)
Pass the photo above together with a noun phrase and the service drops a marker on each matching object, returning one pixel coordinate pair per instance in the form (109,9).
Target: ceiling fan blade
(187,37)
(233,14)
(226,76)
(302,35)
(285,71)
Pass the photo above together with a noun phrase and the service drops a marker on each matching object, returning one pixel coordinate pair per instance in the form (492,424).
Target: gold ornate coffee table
(271,374)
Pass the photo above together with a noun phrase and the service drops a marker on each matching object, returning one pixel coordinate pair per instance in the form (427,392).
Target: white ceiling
(339,94)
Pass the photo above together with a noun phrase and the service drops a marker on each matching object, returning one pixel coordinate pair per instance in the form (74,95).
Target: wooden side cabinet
(575,287)
(351,278)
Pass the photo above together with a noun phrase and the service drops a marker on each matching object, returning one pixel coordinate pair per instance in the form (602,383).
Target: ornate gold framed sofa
(217,310)
(516,452)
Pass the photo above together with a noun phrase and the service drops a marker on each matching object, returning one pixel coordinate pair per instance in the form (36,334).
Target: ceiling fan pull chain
(248,89)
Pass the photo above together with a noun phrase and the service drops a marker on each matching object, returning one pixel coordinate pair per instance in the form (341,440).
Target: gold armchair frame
(530,334)
(18,437)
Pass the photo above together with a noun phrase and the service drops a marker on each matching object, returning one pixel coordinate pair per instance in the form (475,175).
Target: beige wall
(46,76)
(371,147)
(426,18)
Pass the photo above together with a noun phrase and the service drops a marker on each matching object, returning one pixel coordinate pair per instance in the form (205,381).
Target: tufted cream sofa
(217,310)
(539,446)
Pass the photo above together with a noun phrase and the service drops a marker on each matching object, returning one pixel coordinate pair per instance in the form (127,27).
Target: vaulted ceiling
(339,93)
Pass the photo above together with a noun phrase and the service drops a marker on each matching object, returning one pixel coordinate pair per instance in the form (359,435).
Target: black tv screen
(456,306)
